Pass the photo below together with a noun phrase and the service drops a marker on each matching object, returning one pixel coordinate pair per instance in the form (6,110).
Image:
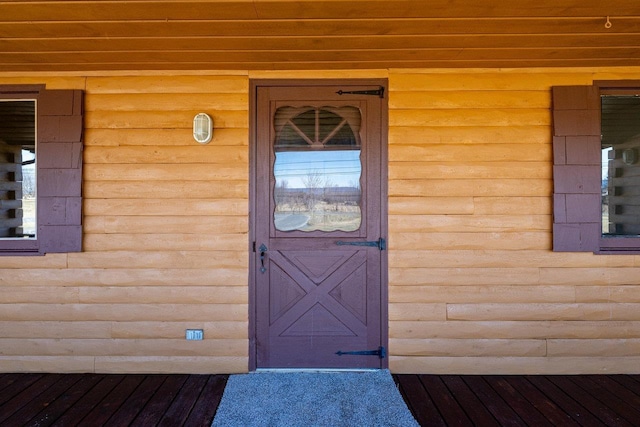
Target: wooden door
(319,292)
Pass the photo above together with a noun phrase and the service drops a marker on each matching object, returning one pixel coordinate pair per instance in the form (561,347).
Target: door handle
(263,251)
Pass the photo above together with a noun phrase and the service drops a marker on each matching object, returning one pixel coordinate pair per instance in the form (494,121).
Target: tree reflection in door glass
(317,190)
(317,169)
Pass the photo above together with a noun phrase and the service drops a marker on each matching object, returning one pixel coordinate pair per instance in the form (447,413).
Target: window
(596,170)
(317,169)
(40,170)
(18,166)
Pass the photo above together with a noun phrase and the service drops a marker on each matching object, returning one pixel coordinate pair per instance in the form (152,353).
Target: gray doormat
(368,398)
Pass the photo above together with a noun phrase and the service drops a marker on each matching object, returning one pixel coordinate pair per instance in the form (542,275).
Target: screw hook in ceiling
(608,24)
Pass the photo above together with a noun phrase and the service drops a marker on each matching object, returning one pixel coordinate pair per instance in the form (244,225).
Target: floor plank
(571,406)
(472,406)
(552,412)
(65,401)
(89,401)
(423,408)
(520,405)
(44,399)
(160,401)
(27,395)
(14,384)
(132,406)
(205,407)
(181,408)
(627,401)
(505,415)
(594,405)
(623,408)
(448,406)
(629,381)
(6,380)
(435,400)
(111,403)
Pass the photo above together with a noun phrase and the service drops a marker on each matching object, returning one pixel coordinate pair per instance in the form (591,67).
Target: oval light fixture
(630,156)
(202,128)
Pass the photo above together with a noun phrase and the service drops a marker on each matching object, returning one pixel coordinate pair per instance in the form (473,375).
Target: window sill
(619,245)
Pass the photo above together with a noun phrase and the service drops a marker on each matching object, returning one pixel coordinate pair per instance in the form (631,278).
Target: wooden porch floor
(583,400)
(435,400)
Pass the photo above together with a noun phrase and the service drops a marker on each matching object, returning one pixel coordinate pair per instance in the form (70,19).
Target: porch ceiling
(305,34)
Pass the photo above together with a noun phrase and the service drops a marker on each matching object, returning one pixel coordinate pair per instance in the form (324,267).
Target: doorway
(318,269)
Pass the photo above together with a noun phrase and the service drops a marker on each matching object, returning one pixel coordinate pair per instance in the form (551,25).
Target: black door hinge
(377,92)
(380,244)
(381,352)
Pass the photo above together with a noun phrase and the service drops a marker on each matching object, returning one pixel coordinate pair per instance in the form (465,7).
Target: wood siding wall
(473,284)
(165,243)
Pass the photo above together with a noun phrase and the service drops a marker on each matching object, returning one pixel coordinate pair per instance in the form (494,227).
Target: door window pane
(620,165)
(17,169)
(317,169)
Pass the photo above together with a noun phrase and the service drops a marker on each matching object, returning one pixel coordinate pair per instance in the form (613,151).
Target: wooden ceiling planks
(329,34)
(318,27)
(332,43)
(443,28)
(291,9)
(75,10)
(106,10)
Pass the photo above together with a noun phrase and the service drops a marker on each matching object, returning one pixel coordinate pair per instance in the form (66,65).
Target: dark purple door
(319,217)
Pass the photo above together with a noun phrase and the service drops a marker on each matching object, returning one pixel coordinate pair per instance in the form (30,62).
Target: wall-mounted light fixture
(202,128)
(630,156)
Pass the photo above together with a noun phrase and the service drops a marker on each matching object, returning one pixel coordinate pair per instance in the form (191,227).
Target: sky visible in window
(605,162)
(339,168)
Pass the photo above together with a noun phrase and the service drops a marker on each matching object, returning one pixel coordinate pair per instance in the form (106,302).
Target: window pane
(620,165)
(17,169)
(317,169)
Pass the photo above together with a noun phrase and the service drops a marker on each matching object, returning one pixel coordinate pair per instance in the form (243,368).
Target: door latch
(263,250)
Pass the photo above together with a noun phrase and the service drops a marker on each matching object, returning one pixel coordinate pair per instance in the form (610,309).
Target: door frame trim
(254,84)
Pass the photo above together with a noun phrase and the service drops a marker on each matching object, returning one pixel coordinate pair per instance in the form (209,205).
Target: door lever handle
(263,250)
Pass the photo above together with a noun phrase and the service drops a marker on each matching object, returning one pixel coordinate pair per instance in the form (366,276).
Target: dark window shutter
(59,162)
(576,169)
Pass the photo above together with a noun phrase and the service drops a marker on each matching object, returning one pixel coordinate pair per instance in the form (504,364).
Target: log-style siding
(473,284)
(165,239)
